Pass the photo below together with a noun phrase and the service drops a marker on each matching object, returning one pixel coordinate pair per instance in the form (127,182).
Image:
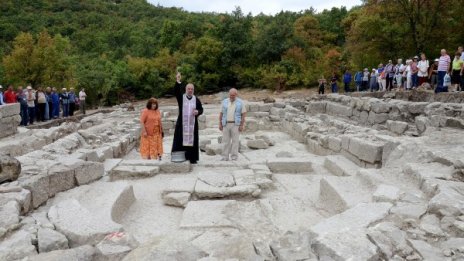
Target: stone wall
(415,96)
(9,119)
(389,112)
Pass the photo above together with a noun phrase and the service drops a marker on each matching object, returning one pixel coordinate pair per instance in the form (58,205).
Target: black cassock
(191,153)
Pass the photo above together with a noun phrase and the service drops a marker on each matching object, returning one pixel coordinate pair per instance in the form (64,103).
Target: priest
(186,132)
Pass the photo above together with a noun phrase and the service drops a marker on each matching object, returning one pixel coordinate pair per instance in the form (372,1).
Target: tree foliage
(122,48)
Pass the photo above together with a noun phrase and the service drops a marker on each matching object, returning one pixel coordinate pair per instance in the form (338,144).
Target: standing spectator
(72,102)
(365,79)
(41,102)
(333,83)
(22,99)
(9,95)
(381,77)
(423,67)
(347,81)
(231,123)
(1,96)
(408,74)
(461,51)
(433,70)
(64,96)
(457,71)
(151,140)
(82,97)
(414,72)
(443,67)
(373,85)
(399,69)
(389,74)
(48,94)
(358,78)
(56,103)
(30,96)
(322,85)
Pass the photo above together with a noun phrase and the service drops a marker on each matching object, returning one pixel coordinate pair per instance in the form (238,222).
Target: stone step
(131,172)
(85,215)
(338,194)
(340,165)
(164,165)
(290,165)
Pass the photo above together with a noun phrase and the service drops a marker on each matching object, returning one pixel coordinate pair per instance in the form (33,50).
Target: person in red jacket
(10,95)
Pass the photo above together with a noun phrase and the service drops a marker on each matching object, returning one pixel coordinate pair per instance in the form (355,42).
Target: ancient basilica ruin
(330,177)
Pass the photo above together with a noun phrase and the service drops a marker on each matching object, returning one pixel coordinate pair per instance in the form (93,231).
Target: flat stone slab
(79,225)
(203,190)
(217,179)
(181,184)
(131,172)
(207,214)
(92,214)
(82,253)
(340,165)
(344,236)
(176,199)
(291,165)
(249,177)
(164,166)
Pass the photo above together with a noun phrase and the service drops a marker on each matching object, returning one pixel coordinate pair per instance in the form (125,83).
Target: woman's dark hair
(151,102)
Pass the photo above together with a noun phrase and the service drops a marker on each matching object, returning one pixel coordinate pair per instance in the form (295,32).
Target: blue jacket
(347,78)
(358,77)
(237,114)
(1,98)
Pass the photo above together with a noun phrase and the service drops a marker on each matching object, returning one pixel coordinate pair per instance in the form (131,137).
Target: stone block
(291,165)
(17,246)
(87,172)
(50,240)
(217,179)
(10,168)
(39,186)
(257,144)
(335,143)
(61,178)
(181,184)
(340,166)
(377,118)
(8,110)
(115,246)
(131,172)
(22,196)
(9,216)
(338,110)
(204,190)
(366,150)
(176,199)
(398,127)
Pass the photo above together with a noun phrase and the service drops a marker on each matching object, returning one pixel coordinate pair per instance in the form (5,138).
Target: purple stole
(188,120)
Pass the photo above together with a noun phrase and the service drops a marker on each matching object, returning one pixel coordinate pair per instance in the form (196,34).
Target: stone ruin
(328,177)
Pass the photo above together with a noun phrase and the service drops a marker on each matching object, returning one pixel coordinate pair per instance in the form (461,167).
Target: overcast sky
(255,6)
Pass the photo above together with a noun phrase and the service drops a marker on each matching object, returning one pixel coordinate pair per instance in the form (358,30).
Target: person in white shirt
(408,74)
(423,67)
(399,69)
(82,97)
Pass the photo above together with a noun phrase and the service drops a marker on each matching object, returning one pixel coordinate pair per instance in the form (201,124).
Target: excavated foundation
(324,178)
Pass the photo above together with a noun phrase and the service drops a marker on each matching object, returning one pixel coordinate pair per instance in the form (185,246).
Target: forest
(130,49)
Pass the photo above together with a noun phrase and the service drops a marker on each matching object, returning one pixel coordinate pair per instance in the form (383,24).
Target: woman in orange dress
(151,141)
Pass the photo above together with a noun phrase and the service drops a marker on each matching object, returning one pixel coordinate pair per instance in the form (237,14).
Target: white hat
(437,60)
(29,88)
(1,87)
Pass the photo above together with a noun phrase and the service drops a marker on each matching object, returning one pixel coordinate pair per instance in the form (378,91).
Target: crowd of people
(38,105)
(442,75)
